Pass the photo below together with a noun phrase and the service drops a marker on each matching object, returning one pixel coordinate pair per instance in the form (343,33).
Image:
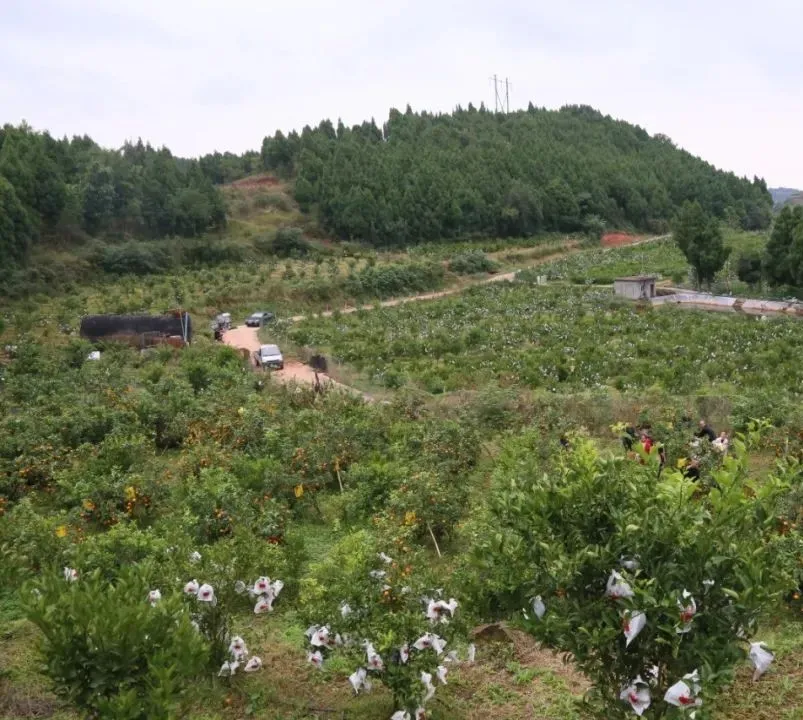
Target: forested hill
(73,188)
(782,196)
(419,177)
(424,176)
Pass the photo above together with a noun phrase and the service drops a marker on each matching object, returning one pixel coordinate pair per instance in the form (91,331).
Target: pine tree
(781,256)
(15,227)
(699,238)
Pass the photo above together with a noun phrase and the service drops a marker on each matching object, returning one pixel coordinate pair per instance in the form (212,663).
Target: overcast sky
(724,79)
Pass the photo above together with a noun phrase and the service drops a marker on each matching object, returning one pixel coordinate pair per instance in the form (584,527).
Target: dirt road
(247,338)
(501,277)
(418,298)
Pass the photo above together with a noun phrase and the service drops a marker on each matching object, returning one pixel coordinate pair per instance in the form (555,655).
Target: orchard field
(330,537)
(562,339)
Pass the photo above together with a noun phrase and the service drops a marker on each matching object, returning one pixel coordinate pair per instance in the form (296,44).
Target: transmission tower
(501,102)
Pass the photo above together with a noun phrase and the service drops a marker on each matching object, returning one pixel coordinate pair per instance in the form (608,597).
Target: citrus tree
(646,583)
(115,649)
(385,617)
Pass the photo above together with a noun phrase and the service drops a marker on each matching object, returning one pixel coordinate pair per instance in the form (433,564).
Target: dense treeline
(69,187)
(419,177)
(783,256)
(423,176)
(780,264)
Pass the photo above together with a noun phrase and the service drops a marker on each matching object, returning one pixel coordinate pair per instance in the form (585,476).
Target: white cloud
(721,78)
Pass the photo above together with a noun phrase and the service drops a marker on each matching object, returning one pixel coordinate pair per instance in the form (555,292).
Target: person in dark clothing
(564,442)
(629,438)
(692,470)
(706,431)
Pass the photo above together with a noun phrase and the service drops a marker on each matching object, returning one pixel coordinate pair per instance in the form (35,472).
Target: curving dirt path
(247,338)
(501,277)
(569,249)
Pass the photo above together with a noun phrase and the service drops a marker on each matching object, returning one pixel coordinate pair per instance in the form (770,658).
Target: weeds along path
(247,338)
(417,298)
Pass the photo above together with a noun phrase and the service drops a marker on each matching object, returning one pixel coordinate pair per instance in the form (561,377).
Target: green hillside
(56,190)
(796,199)
(781,196)
(70,209)
(424,176)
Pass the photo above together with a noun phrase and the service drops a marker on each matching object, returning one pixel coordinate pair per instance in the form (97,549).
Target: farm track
(247,338)
(502,277)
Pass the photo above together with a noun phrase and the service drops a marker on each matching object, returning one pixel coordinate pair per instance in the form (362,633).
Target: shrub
(372,610)
(269,199)
(133,259)
(494,408)
(288,242)
(163,412)
(244,557)
(217,503)
(206,252)
(423,506)
(594,226)
(749,268)
(107,497)
(31,541)
(120,547)
(108,652)
(597,540)
(394,279)
(371,483)
(471,263)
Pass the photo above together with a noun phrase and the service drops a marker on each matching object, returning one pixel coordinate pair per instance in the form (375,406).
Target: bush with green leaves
(790,527)
(392,279)
(162,410)
(423,507)
(369,485)
(242,557)
(121,546)
(287,242)
(216,502)
(386,617)
(209,252)
(133,259)
(471,263)
(30,540)
(110,652)
(228,574)
(634,577)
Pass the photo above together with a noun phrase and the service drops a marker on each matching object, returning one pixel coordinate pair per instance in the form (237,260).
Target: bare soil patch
(258,181)
(619,239)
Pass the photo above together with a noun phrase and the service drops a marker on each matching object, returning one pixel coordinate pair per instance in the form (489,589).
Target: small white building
(638,287)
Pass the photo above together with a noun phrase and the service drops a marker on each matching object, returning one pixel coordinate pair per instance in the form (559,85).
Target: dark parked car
(258,319)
